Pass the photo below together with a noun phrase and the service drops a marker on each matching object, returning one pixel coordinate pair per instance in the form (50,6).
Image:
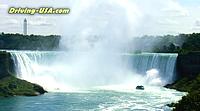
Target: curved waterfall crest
(163,62)
(35,66)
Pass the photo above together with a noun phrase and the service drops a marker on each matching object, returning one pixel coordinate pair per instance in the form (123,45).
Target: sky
(155,17)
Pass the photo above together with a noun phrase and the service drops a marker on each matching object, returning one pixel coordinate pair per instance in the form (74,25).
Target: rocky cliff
(188,65)
(10,85)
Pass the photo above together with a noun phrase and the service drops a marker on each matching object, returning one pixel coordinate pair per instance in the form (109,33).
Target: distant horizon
(30,34)
(133,36)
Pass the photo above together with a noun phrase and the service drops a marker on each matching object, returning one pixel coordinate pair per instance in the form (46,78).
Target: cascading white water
(47,69)
(155,65)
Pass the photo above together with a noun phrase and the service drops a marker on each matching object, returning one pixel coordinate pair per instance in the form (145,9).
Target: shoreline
(190,102)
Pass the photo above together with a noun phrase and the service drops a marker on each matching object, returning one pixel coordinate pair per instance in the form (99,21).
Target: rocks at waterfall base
(12,86)
(190,102)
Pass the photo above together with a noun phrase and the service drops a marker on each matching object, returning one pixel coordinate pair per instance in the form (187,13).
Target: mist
(96,34)
(95,50)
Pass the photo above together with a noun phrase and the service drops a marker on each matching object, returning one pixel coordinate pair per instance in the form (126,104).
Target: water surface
(152,99)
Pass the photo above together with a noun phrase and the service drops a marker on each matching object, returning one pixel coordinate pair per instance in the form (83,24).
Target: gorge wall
(188,65)
(6,64)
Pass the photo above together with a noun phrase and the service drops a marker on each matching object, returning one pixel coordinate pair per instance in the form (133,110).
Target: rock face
(188,72)
(6,64)
(188,65)
(191,102)
(11,86)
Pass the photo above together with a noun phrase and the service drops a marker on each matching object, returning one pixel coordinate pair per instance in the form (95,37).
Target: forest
(182,43)
(28,42)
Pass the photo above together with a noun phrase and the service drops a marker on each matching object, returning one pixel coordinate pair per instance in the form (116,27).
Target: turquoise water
(153,99)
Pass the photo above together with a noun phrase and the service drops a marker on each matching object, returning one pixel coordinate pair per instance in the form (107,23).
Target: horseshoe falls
(62,80)
(34,66)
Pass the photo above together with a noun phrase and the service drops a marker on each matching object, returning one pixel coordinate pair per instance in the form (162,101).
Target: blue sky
(189,2)
(151,17)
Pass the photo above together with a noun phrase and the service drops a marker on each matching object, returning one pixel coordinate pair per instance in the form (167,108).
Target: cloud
(196,29)
(173,8)
(163,17)
(168,21)
(40,23)
(154,16)
(196,26)
(11,22)
(197,23)
(3,6)
(3,9)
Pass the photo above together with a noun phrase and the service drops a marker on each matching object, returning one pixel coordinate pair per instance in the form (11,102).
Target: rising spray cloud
(95,34)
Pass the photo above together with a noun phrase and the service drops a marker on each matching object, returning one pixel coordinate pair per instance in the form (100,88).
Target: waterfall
(147,63)
(49,70)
